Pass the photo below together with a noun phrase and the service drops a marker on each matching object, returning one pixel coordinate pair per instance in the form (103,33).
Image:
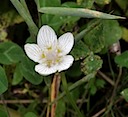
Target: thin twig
(116,84)
(20,101)
(104,109)
(83,99)
(43,112)
(114,91)
(5,105)
(106,78)
(99,113)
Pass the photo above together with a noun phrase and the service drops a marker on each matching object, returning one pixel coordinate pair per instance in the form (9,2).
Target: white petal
(65,43)
(66,63)
(33,51)
(44,70)
(46,37)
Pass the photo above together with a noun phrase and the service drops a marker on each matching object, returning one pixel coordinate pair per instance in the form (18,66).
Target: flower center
(52,57)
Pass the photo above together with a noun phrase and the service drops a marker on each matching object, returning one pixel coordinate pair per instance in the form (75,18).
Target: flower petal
(65,43)
(33,51)
(66,63)
(46,37)
(43,69)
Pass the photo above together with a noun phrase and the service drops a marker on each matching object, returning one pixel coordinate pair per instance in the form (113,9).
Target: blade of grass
(23,2)
(64,82)
(79,12)
(28,19)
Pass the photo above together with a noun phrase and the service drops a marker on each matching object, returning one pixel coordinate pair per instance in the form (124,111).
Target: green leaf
(44,3)
(80,50)
(27,70)
(124,93)
(3,113)
(100,83)
(91,64)
(103,2)
(101,35)
(87,4)
(94,38)
(91,25)
(30,114)
(92,86)
(95,84)
(123,4)
(3,81)
(122,60)
(112,32)
(17,76)
(60,109)
(93,90)
(70,4)
(10,53)
(53,21)
(125,34)
(75,67)
(79,12)
(56,21)
(12,112)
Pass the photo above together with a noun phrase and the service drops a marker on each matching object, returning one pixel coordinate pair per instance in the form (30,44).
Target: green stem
(88,103)
(110,66)
(83,97)
(114,92)
(64,82)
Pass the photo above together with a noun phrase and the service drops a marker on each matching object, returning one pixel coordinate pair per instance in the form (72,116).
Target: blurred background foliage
(98,79)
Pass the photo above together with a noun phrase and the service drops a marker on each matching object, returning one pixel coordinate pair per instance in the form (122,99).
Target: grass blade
(64,82)
(28,19)
(79,12)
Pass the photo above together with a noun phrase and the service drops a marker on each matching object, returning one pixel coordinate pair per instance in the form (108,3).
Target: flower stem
(54,92)
(64,82)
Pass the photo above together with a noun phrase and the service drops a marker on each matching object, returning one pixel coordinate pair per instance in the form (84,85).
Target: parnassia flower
(50,52)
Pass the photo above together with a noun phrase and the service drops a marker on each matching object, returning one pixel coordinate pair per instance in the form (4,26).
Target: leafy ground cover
(96,85)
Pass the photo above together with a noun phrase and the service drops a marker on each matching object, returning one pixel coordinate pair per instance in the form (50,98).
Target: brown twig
(111,103)
(116,84)
(20,101)
(106,78)
(99,113)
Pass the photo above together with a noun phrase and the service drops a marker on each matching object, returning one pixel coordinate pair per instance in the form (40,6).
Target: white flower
(50,52)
